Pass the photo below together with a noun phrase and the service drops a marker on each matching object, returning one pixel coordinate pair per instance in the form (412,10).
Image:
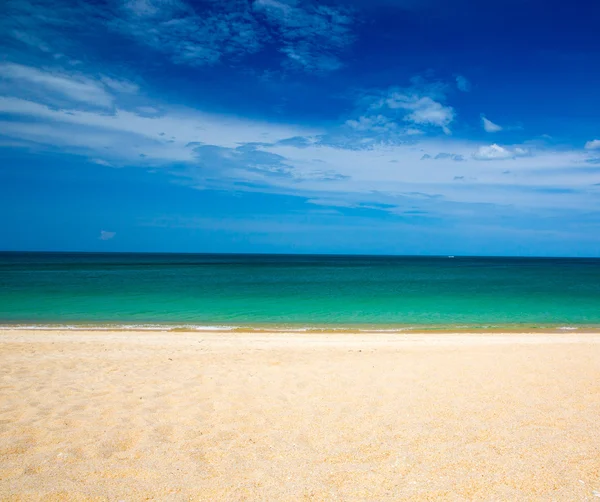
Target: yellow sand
(187,416)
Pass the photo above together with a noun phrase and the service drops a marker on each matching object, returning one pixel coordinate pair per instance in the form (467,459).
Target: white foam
(212,328)
(375,330)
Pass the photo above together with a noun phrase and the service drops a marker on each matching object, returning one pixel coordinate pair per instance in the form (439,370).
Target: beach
(130,415)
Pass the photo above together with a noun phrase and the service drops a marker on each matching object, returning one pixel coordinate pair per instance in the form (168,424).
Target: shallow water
(183,291)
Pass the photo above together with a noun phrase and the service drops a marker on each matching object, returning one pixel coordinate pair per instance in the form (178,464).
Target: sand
(214,416)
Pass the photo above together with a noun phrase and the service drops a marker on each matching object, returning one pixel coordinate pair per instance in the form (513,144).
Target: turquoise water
(296,292)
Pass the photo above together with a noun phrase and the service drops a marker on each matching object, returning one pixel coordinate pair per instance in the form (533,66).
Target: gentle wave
(113,327)
(296,329)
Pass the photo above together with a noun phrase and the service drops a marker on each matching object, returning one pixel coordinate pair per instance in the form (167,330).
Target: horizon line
(231,253)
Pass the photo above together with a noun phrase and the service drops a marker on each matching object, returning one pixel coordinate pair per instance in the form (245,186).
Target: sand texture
(207,416)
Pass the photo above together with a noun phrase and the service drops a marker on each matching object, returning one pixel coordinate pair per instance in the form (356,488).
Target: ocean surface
(186,291)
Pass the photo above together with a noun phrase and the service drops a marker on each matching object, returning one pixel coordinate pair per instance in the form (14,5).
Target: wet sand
(217,416)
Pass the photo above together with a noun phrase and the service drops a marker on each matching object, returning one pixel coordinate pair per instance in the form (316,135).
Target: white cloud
(217,151)
(123,136)
(121,86)
(106,236)
(593,144)
(101,162)
(53,86)
(489,126)
(463,84)
(423,110)
(148,110)
(421,105)
(31,40)
(497,152)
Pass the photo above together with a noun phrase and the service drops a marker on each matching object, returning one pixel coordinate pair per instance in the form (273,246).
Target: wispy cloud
(106,235)
(419,106)
(312,35)
(30,40)
(375,123)
(442,155)
(173,27)
(54,87)
(49,26)
(120,86)
(349,163)
(462,83)
(308,35)
(489,126)
(56,109)
(593,144)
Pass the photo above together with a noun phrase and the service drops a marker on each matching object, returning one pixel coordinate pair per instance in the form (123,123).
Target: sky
(288,126)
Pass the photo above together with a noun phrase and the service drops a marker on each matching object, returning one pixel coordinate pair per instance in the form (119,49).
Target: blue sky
(380,126)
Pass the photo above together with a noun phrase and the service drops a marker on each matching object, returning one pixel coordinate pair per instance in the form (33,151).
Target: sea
(237,292)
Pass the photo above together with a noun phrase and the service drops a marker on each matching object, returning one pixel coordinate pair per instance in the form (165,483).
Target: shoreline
(339,335)
(300,330)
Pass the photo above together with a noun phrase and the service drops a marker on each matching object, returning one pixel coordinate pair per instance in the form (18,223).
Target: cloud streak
(106,235)
(370,161)
(55,87)
(489,126)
